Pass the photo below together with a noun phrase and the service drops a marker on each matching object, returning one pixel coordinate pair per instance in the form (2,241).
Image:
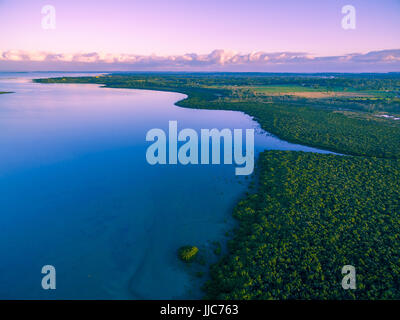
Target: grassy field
(283,89)
(272,88)
(309,92)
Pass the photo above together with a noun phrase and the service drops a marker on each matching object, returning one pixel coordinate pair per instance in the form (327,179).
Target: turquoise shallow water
(76,191)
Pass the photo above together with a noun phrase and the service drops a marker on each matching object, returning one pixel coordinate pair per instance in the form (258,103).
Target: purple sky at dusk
(174,28)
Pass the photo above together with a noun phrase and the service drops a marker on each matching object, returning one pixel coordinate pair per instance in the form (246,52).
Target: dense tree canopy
(311,215)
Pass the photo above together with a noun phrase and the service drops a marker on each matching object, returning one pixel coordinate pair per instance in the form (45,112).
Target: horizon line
(195,72)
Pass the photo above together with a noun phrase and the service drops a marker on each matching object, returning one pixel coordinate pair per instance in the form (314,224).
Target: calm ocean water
(76,191)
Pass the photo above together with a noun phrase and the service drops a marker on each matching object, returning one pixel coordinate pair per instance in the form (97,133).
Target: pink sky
(177,27)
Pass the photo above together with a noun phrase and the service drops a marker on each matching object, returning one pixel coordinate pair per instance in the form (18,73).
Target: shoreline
(248,206)
(212,225)
(249,186)
(189,104)
(233,223)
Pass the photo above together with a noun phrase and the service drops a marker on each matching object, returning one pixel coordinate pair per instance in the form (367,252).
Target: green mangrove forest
(310,214)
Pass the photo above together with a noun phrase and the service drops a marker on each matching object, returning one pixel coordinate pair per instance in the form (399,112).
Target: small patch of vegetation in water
(187,253)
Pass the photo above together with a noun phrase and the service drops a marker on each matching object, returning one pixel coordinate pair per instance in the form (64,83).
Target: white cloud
(217,59)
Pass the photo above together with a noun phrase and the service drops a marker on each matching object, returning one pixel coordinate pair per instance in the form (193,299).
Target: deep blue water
(76,191)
